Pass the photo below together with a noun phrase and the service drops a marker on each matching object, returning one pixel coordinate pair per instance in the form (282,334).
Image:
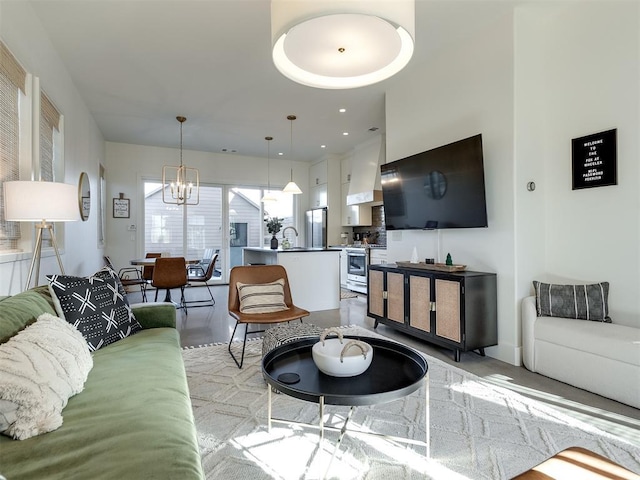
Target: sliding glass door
(184,230)
(226,226)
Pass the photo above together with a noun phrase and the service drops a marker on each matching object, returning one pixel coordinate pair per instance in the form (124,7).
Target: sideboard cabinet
(454,310)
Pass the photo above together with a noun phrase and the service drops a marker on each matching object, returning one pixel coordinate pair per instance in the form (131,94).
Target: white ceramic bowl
(342,358)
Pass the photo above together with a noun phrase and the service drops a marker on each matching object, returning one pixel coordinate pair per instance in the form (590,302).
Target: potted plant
(274,224)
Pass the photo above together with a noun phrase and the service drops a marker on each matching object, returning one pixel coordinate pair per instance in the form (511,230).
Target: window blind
(12,82)
(49,122)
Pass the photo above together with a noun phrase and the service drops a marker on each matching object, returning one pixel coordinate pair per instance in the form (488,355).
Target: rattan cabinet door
(375,295)
(395,297)
(448,321)
(420,302)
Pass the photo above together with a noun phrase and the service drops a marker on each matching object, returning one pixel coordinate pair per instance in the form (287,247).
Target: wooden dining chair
(168,273)
(256,298)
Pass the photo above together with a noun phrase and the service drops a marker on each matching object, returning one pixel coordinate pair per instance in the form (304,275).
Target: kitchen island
(314,273)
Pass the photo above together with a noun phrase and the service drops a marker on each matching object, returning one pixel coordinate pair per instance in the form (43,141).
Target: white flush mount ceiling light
(341,44)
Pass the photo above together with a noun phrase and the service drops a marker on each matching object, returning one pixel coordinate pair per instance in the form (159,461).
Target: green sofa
(132,421)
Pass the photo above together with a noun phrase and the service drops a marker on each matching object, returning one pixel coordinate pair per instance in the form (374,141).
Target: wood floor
(205,325)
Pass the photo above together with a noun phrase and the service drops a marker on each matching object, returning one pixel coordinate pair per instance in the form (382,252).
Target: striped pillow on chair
(262,298)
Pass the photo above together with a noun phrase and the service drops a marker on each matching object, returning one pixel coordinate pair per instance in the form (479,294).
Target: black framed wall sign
(120,207)
(594,160)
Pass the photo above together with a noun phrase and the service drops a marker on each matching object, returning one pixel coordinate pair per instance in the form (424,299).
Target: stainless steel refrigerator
(316,228)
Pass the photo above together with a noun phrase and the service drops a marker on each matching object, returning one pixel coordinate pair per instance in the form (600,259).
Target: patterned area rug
(478,430)
(344,293)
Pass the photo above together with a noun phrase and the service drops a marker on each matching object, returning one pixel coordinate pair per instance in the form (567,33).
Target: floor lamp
(44,203)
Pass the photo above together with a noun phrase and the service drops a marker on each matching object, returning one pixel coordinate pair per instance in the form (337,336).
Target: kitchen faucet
(285,240)
(287,228)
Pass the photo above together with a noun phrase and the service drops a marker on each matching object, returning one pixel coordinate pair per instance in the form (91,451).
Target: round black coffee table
(395,372)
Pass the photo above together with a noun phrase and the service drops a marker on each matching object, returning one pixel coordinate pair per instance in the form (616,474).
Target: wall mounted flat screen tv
(439,188)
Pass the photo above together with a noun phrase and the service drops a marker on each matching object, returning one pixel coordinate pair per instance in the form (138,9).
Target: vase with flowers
(274,224)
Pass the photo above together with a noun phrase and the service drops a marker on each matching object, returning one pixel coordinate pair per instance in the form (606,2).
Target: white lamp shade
(26,201)
(339,44)
(292,188)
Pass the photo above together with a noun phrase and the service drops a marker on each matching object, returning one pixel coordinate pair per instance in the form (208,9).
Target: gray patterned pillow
(585,302)
(97,306)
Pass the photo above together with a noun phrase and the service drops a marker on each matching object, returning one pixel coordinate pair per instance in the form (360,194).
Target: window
(12,93)
(283,209)
(227,219)
(50,144)
(50,148)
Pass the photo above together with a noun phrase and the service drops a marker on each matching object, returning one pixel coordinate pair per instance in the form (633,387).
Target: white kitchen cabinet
(319,196)
(354,215)
(345,170)
(318,174)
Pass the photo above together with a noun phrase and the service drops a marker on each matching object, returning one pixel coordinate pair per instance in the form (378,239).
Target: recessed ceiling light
(280,153)
(342,110)
(345,133)
(323,146)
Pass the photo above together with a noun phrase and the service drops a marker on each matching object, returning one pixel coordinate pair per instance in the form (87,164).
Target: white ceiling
(140,63)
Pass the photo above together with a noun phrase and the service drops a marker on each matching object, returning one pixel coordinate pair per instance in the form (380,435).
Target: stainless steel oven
(357,267)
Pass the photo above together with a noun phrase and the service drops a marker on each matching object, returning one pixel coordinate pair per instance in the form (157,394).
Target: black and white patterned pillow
(584,302)
(97,306)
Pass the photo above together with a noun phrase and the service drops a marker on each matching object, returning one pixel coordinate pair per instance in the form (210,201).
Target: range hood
(365,187)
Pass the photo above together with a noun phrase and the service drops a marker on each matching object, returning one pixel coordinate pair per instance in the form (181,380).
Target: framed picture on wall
(120,208)
(594,160)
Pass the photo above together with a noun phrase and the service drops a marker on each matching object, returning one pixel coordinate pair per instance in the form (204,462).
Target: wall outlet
(131,228)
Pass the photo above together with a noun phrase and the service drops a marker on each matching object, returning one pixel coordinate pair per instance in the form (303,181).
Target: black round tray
(395,372)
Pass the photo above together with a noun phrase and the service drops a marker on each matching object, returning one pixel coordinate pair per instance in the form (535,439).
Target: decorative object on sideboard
(44,203)
(440,267)
(339,45)
(181,184)
(291,187)
(449,261)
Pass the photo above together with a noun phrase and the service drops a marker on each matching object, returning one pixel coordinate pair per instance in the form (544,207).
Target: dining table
(150,262)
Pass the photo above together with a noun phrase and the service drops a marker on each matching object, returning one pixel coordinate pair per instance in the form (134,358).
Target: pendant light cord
(291,118)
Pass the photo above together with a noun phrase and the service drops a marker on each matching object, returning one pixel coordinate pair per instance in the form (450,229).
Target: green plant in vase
(274,225)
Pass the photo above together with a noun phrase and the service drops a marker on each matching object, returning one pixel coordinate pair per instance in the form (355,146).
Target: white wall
(128,165)
(550,72)
(467,89)
(577,74)
(22,32)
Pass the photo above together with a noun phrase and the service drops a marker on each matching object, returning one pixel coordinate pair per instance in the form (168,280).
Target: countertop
(292,250)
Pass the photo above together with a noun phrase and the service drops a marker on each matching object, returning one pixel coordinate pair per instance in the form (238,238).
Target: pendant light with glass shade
(291,187)
(268,196)
(181,184)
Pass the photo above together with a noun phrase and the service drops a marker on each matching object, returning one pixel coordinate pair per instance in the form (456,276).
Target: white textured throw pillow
(40,369)
(262,297)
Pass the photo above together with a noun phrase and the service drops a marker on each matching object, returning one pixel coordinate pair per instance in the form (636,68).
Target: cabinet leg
(375,325)
(482,352)
(457,355)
